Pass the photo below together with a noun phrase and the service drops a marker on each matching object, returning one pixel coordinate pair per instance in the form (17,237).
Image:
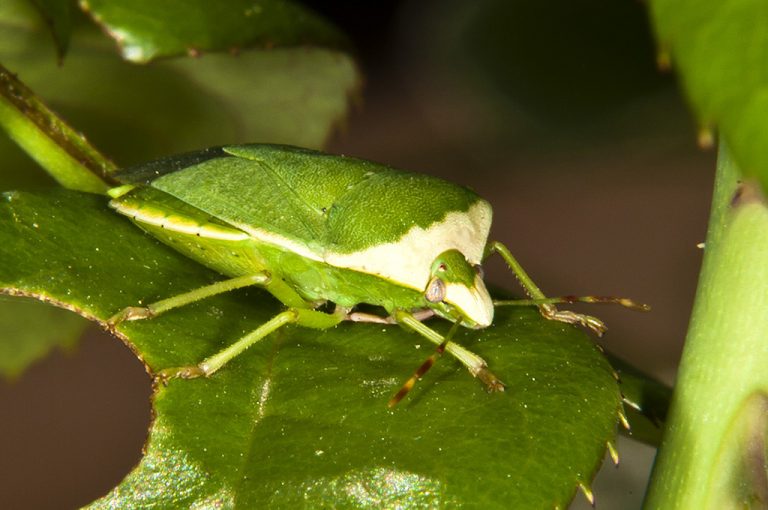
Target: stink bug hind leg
(301,316)
(133,313)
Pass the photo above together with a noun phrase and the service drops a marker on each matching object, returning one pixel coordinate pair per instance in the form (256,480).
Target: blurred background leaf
(135,113)
(145,29)
(719,48)
(57,14)
(30,329)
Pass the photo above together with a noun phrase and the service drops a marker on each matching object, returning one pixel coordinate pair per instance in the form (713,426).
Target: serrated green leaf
(720,50)
(647,402)
(147,29)
(301,418)
(29,330)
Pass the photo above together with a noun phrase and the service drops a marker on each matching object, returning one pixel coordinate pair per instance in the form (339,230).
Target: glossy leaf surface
(302,416)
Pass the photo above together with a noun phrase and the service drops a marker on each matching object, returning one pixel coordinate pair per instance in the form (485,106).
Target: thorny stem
(705,460)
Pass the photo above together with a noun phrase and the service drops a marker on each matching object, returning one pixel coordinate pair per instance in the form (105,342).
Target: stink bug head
(456,291)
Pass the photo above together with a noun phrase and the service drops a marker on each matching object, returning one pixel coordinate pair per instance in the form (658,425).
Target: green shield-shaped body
(334,228)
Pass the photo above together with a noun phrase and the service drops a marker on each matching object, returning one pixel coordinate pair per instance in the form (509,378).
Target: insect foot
(167,374)
(570,317)
(492,382)
(132,313)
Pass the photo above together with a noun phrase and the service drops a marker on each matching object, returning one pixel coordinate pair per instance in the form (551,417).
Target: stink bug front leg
(474,363)
(547,305)
(423,368)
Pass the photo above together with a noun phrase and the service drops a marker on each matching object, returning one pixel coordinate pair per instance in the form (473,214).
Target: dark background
(553,111)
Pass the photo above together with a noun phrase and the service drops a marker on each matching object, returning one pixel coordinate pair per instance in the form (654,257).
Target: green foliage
(58,15)
(303,414)
(713,451)
(284,95)
(647,402)
(301,418)
(719,49)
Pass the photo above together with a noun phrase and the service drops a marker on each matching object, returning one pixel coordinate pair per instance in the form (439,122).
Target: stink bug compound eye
(435,290)
(299,224)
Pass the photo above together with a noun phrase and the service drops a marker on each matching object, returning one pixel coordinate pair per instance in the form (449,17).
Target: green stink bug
(316,229)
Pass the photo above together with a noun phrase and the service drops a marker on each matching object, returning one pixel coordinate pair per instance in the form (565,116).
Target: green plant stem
(712,454)
(58,148)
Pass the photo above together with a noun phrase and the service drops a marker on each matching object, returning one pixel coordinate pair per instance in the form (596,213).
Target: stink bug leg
(474,363)
(301,316)
(423,368)
(547,305)
(132,313)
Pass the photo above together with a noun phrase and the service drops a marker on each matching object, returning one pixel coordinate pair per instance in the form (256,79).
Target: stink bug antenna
(625,302)
(423,368)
